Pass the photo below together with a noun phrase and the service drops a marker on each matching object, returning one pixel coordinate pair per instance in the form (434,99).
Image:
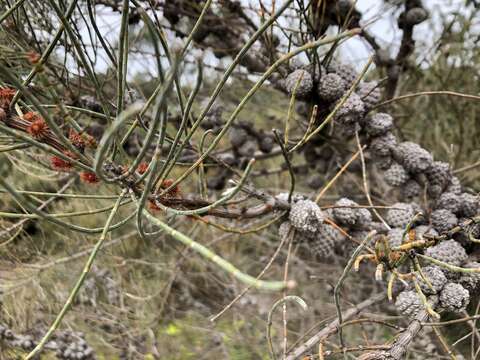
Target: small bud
(31,116)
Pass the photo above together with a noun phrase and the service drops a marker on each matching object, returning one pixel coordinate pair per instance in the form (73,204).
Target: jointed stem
(217,260)
(79,283)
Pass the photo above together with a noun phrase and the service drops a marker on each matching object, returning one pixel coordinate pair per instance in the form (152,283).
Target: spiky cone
(299,83)
(400,215)
(454,297)
(305,215)
(408,303)
(449,251)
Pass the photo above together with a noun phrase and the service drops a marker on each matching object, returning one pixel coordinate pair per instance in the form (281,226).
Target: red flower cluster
(60,164)
(6,96)
(31,116)
(37,128)
(142,168)
(173,192)
(89,177)
(77,140)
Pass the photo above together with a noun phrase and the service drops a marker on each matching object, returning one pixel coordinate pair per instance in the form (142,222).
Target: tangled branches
(165,160)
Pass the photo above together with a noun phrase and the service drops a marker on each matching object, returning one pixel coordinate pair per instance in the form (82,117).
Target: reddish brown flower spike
(166,183)
(90,141)
(38,128)
(142,168)
(89,177)
(76,140)
(174,192)
(31,116)
(6,96)
(60,164)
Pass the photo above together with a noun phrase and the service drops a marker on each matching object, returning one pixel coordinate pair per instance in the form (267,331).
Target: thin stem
(292,298)
(450,93)
(217,260)
(289,165)
(337,175)
(365,181)
(28,206)
(239,296)
(79,283)
(449,266)
(11,10)
(341,280)
(122,57)
(253,90)
(229,194)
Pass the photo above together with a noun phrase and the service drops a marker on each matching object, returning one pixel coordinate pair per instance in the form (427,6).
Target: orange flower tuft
(6,96)
(166,183)
(89,177)
(174,192)
(76,139)
(60,164)
(142,168)
(33,57)
(31,116)
(38,128)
